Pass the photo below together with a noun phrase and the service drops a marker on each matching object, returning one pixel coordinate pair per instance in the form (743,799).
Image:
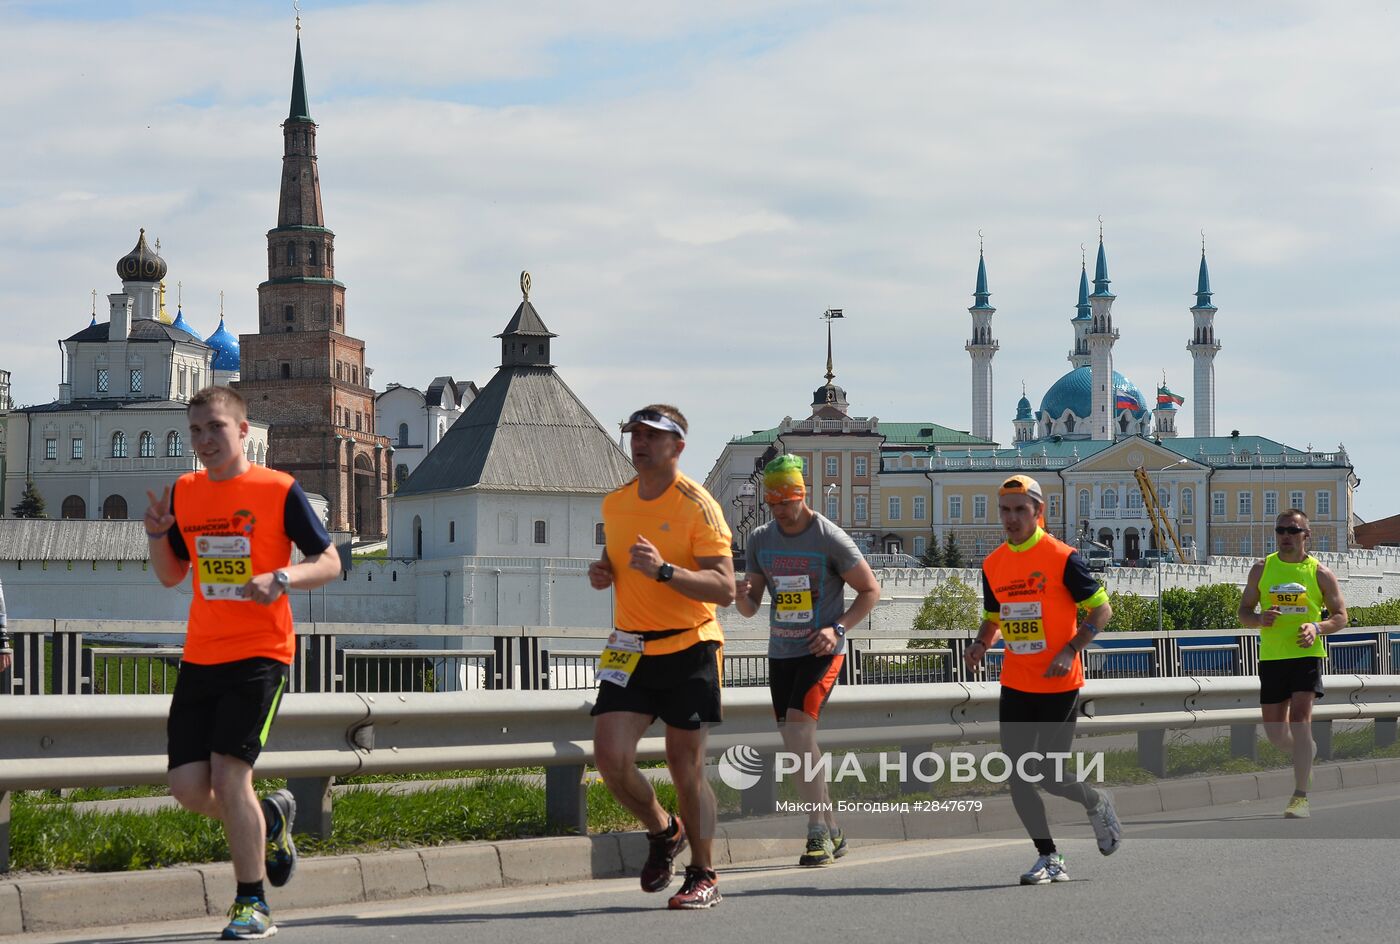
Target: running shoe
(699,890)
(249,920)
(838,841)
(1297,808)
(821,850)
(1047,869)
(280,812)
(665,846)
(1107,830)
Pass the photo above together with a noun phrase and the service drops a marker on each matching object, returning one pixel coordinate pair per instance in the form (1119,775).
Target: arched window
(1084,503)
(1069,423)
(451,532)
(599,538)
(146,445)
(291,254)
(311,253)
(174,447)
(114,508)
(252,450)
(262,454)
(417,537)
(403,434)
(541,533)
(1110,499)
(1188,502)
(442,428)
(118,445)
(74,507)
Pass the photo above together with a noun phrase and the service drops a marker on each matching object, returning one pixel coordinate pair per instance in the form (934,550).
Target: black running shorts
(803,683)
(223,709)
(1280,678)
(680,688)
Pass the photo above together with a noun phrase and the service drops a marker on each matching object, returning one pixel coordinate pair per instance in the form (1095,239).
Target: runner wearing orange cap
(1033,587)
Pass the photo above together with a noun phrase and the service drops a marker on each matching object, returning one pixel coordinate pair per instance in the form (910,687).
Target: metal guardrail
(70,657)
(67,741)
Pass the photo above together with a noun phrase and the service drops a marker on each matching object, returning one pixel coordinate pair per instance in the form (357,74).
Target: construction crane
(1160,522)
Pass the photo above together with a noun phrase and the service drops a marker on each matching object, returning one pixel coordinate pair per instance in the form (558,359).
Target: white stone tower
(1164,415)
(1099,340)
(983,347)
(1079,357)
(1203,348)
(1023,425)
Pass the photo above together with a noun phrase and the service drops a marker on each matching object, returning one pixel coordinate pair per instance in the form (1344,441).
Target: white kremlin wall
(506,591)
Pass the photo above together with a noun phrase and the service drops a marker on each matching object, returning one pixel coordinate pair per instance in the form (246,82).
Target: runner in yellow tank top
(1283,599)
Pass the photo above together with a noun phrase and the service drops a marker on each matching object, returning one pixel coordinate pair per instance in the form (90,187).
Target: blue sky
(692,184)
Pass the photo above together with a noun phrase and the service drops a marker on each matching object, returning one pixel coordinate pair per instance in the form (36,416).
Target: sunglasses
(1291,529)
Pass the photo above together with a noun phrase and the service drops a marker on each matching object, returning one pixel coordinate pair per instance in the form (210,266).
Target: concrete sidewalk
(50,903)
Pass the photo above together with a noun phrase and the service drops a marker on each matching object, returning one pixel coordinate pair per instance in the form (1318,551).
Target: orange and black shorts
(803,683)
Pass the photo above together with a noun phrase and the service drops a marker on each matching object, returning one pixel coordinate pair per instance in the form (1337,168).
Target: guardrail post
(1385,732)
(324,667)
(28,670)
(1322,737)
(1384,660)
(4,831)
(1244,741)
(313,796)
(851,670)
(956,667)
(566,798)
(761,799)
(89,677)
(534,665)
(67,668)
(505,661)
(1152,751)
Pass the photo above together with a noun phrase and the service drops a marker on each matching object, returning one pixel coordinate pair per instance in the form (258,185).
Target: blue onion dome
(141,264)
(181,323)
(1023,409)
(225,345)
(1075,392)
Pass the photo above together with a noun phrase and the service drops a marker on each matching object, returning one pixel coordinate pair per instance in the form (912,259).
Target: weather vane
(525,284)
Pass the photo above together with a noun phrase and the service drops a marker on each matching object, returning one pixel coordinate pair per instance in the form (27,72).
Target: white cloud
(744,168)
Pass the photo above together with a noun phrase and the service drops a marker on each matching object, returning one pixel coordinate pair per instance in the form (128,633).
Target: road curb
(52,903)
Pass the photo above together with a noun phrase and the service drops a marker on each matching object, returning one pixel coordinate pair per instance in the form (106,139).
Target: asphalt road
(1237,873)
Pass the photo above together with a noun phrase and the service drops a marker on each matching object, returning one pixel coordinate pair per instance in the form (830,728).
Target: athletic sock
(252,890)
(1303,794)
(669,832)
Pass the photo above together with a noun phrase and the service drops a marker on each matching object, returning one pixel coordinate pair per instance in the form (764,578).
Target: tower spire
(1101,279)
(982,347)
(1203,347)
(300,110)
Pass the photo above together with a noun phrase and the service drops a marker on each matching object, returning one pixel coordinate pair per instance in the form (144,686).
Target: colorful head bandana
(782,480)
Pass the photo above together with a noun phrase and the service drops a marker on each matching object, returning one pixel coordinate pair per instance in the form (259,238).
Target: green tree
(1386,613)
(952,554)
(1176,608)
(1131,613)
(1215,606)
(31,503)
(933,556)
(950,605)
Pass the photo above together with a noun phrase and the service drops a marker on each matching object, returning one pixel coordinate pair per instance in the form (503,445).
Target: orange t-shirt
(233,530)
(1038,614)
(685,524)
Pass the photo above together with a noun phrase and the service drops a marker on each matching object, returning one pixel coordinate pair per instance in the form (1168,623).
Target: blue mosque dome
(182,324)
(1074,392)
(225,345)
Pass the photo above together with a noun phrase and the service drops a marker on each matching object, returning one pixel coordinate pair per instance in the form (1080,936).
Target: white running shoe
(1107,830)
(1047,869)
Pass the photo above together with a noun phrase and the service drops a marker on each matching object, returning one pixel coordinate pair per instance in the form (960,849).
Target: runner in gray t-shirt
(806,562)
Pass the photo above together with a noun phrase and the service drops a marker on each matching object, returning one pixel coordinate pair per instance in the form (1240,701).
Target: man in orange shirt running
(1033,587)
(233,523)
(669,563)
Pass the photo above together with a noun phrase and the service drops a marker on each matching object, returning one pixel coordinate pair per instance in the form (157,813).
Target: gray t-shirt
(803,572)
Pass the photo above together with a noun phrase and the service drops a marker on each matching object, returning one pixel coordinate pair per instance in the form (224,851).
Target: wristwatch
(840,630)
(283,580)
(664,573)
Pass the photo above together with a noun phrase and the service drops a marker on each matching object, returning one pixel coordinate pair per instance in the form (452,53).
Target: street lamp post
(1160,549)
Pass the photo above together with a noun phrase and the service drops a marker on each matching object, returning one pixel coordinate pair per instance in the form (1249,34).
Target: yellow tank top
(1293,589)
